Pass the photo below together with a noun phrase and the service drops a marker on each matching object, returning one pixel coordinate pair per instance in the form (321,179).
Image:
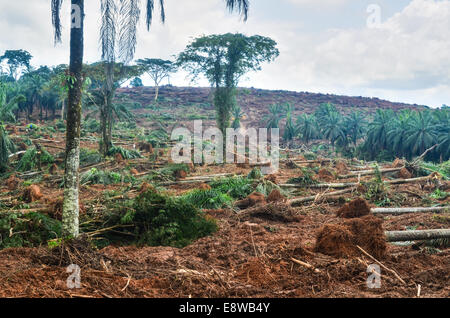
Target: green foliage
(237,116)
(158,137)
(33,229)
(89,157)
(126,154)
(255,174)
(95,176)
(6,147)
(439,194)
(276,113)
(157,219)
(235,187)
(266,187)
(443,169)
(223,60)
(208,199)
(33,159)
(307,178)
(91,125)
(377,191)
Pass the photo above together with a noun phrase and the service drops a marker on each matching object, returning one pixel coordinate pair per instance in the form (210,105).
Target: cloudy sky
(396,50)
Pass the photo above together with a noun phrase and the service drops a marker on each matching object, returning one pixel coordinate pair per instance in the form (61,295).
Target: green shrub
(33,229)
(125,153)
(307,178)
(157,219)
(235,187)
(207,199)
(95,176)
(89,157)
(33,159)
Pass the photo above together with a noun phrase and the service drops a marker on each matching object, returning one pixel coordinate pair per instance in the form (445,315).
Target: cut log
(320,185)
(17,153)
(353,174)
(352,184)
(298,201)
(402,236)
(408,210)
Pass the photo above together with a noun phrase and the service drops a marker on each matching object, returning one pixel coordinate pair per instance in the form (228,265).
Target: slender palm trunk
(156,92)
(71,177)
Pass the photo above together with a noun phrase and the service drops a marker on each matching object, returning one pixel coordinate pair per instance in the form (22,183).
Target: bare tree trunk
(156,92)
(409,210)
(401,236)
(63,109)
(70,213)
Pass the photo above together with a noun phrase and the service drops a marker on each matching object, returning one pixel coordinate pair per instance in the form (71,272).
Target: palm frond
(129,18)
(242,6)
(108,29)
(149,12)
(56,19)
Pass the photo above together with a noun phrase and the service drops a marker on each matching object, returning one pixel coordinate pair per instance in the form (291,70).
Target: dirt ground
(254,253)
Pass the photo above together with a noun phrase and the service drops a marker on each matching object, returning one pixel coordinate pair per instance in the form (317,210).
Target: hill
(181,104)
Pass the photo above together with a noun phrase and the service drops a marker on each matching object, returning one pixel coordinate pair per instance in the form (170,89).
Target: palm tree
(131,13)
(355,125)
(323,112)
(237,115)
(307,127)
(276,113)
(378,130)
(333,128)
(421,132)
(397,133)
(290,131)
(7,108)
(443,129)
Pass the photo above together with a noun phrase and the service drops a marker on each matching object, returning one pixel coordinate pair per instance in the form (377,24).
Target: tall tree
(158,70)
(75,81)
(16,60)
(101,92)
(223,60)
(70,206)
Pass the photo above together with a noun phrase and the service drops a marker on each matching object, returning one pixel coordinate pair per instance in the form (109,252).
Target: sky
(395,50)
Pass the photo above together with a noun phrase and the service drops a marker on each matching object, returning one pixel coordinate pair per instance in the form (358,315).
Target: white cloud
(405,59)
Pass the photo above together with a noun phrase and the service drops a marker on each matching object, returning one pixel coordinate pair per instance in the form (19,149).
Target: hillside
(189,103)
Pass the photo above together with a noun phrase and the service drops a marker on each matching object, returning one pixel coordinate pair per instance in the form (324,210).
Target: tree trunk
(70,213)
(401,236)
(409,210)
(156,92)
(63,110)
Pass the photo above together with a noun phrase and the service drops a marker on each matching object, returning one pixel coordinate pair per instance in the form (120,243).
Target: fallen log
(353,174)
(408,210)
(320,185)
(352,184)
(17,153)
(295,201)
(402,236)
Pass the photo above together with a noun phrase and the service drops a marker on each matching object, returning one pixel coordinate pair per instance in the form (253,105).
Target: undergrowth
(33,229)
(158,219)
(34,159)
